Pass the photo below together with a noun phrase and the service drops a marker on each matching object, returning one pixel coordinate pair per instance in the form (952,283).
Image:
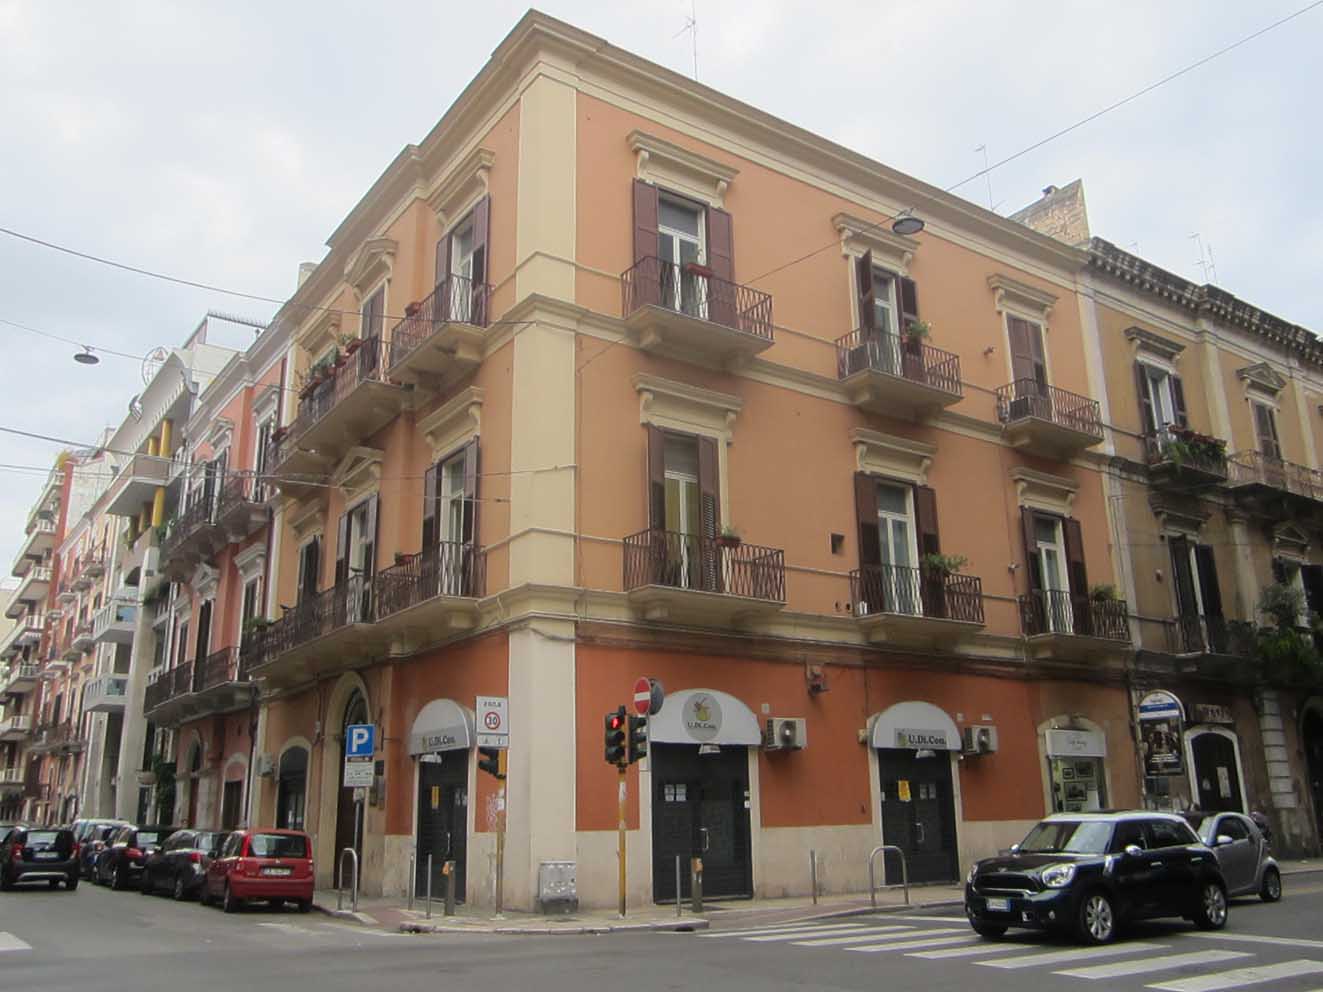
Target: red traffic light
(615,721)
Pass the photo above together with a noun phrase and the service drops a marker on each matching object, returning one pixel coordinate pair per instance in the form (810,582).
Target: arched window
(291,788)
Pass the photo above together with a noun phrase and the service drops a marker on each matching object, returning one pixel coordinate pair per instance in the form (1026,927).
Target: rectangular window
(1265,430)
(451,494)
(250,604)
(310,561)
(1028,360)
(259,462)
(901,591)
(1051,554)
(884,302)
(181,645)
(373,314)
(1157,384)
(681,242)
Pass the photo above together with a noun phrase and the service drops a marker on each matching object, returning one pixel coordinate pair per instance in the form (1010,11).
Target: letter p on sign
(359,740)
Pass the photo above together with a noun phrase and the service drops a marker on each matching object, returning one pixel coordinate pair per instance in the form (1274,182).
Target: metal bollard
(696,884)
(429,886)
(413,878)
(448,870)
(813,874)
(677,886)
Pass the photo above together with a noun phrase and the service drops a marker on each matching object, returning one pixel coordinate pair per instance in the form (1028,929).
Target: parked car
(120,863)
(35,854)
(179,866)
(271,865)
(1089,873)
(5,828)
(1243,852)
(91,836)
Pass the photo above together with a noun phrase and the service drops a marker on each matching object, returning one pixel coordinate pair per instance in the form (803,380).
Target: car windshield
(42,837)
(209,842)
(278,846)
(1068,836)
(1203,827)
(146,837)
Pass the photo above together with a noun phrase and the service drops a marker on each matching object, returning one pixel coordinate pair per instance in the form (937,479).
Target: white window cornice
(371,264)
(455,422)
(1043,491)
(1261,380)
(266,403)
(306,519)
(891,251)
(891,456)
(250,563)
(1147,345)
(358,473)
(1012,295)
(664,163)
(680,406)
(466,183)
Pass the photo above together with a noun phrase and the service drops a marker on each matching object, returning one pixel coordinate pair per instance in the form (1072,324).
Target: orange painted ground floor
(755,760)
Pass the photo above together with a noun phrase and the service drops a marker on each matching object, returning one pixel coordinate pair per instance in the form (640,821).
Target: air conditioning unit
(785,734)
(979,739)
(265,765)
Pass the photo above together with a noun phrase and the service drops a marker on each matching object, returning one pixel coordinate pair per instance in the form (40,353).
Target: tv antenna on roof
(691,25)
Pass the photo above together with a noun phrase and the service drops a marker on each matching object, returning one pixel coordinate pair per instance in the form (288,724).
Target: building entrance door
(348,814)
(1216,780)
(700,809)
(918,813)
(443,806)
(1312,735)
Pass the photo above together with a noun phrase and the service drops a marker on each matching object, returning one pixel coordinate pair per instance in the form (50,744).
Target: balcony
(346,405)
(21,679)
(220,683)
(441,339)
(63,738)
(690,579)
(421,598)
(87,568)
(1060,626)
(1045,420)
(116,622)
(32,588)
(1261,478)
(896,376)
(688,312)
(911,606)
(1214,647)
(1182,459)
(164,700)
(191,537)
(16,728)
(11,782)
(83,640)
(106,694)
(241,510)
(136,484)
(27,631)
(38,543)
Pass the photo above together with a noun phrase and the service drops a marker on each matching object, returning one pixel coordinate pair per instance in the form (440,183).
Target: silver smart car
(1242,851)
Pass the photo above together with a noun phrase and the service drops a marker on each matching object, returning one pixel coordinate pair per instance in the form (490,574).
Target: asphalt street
(97,939)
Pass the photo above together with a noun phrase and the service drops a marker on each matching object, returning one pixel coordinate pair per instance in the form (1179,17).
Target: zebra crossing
(1168,963)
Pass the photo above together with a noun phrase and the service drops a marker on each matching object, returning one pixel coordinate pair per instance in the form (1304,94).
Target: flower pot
(412,309)
(728,541)
(695,269)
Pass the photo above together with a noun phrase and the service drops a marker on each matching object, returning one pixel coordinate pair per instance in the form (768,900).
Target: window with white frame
(1159,397)
(899,548)
(1051,551)
(680,242)
(251,604)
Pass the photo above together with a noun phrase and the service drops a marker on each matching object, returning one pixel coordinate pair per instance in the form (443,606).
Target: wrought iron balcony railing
(455,300)
(694,291)
(239,492)
(1055,612)
(199,511)
(702,564)
(916,592)
(906,358)
(450,568)
(350,602)
(1254,468)
(219,668)
(1197,634)
(1026,399)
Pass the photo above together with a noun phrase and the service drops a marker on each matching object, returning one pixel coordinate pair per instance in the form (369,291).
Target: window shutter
(907,300)
(429,506)
(1148,420)
(1033,567)
(1312,577)
(656,478)
(482,224)
(1208,587)
(863,272)
(1077,575)
(870,543)
(1183,577)
(342,550)
(932,588)
(470,528)
(722,306)
(1178,401)
(647,280)
(370,559)
(1022,359)
(442,262)
(709,511)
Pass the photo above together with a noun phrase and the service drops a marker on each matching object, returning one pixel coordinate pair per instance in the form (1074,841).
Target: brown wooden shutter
(863,273)
(1033,567)
(709,511)
(372,527)
(656,478)
(430,533)
(442,262)
(1148,420)
(870,543)
(1265,426)
(907,301)
(1209,589)
(342,550)
(932,587)
(1187,602)
(471,476)
(1178,401)
(1077,575)
(722,305)
(645,286)
(482,230)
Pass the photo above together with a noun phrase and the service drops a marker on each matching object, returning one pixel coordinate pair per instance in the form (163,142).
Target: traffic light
(489,761)
(638,738)
(615,737)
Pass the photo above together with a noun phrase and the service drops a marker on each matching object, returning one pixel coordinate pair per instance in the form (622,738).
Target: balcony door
(1028,369)
(898,549)
(1161,400)
(1050,553)
(682,507)
(455,522)
(461,268)
(1198,599)
(1265,431)
(680,242)
(357,559)
(684,514)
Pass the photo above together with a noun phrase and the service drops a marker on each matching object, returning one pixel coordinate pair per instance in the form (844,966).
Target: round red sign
(643,696)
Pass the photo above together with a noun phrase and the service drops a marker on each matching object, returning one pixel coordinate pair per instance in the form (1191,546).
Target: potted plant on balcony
(916,331)
(941,566)
(697,269)
(729,538)
(1103,594)
(413,309)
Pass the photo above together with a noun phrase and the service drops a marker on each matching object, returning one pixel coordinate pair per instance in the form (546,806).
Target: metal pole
(448,869)
(677,886)
(813,873)
(696,884)
(413,878)
(429,885)
(500,834)
(621,791)
(358,846)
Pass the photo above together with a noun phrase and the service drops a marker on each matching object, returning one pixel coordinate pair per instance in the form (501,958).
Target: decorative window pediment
(370,264)
(895,457)
(251,562)
(1147,344)
(454,422)
(220,434)
(306,518)
(1011,294)
(1178,514)
(891,251)
(667,164)
(358,472)
(319,335)
(205,580)
(266,403)
(1043,491)
(1290,542)
(1261,378)
(465,185)
(682,407)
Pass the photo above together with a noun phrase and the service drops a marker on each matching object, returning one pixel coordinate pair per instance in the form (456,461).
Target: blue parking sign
(360,740)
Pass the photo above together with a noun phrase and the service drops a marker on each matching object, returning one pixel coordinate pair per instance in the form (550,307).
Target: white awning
(705,716)
(441,725)
(915,725)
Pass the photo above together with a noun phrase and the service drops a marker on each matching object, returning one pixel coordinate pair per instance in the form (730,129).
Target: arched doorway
(348,815)
(292,788)
(1215,772)
(1311,736)
(194,782)
(441,742)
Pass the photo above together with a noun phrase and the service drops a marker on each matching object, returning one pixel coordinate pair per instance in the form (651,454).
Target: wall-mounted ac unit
(979,739)
(785,734)
(265,765)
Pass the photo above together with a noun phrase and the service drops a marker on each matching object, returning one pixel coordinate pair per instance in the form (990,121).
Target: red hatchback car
(270,865)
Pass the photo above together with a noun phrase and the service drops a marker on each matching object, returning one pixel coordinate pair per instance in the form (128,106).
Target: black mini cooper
(1088,873)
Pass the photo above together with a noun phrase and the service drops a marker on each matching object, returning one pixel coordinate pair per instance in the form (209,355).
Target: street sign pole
(620,800)
(500,833)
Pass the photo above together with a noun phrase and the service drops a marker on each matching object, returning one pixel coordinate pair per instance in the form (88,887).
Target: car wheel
(305,905)
(1097,919)
(990,930)
(1271,890)
(72,883)
(180,892)
(204,899)
(54,883)
(147,888)
(1212,911)
(229,903)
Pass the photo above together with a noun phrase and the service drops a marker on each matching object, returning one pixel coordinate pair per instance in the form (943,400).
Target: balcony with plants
(900,375)
(192,535)
(1047,420)
(1180,458)
(929,605)
(688,578)
(688,311)
(1060,625)
(441,338)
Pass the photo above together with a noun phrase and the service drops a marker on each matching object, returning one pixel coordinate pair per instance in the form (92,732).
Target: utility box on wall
(557,887)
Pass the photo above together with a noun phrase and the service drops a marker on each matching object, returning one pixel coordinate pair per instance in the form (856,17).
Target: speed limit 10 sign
(493,719)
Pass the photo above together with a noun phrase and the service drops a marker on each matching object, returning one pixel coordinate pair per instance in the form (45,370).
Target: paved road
(94,938)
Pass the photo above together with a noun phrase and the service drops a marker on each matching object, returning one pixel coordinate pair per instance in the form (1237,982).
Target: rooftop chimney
(1060,214)
(306,269)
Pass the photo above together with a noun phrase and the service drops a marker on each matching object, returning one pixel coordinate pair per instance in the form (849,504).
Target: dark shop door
(1216,779)
(918,814)
(700,809)
(443,805)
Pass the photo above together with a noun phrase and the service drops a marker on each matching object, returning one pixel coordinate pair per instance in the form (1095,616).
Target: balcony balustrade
(26,632)
(136,483)
(897,376)
(441,338)
(116,622)
(32,588)
(11,782)
(87,568)
(242,510)
(688,578)
(1182,459)
(688,312)
(1065,627)
(36,546)
(17,727)
(1263,478)
(914,605)
(192,536)
(1046,420)
(1196,634)
(82,638)
(106,694)
(21,678)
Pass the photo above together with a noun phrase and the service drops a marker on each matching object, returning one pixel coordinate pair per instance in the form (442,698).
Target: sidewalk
(394,915)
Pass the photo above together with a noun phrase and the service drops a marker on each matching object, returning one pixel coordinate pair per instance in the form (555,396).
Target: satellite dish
(135,408)
(153,360)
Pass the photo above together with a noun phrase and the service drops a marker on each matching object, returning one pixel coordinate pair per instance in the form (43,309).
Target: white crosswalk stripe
(784,928)
(8,942)
(1165,962)
(1240,977)
(879,933)
(820,932)
(902,945)
(968,952)
(1075,954)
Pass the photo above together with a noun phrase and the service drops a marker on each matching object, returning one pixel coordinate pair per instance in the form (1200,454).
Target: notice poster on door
(1160,722)
(903,790)
(1224,781)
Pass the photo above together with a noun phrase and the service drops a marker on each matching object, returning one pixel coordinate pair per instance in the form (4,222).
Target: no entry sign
(648,696)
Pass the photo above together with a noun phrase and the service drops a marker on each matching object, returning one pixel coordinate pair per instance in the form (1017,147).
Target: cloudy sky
(224,142)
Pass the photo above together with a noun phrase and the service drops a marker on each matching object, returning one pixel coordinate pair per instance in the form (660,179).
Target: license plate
(999,905)
(47,855)
(275,871)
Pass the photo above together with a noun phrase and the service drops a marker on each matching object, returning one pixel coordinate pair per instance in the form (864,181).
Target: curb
(1299,869)
(683,926)
(346,914)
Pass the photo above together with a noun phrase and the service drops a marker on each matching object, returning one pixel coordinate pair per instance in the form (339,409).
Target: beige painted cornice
(1263,377)
(667,164)
(370,263)
(358,472)
(466,183)
(1146,341)
(1014,294)
(894,251)
(689,402)
(892,456)
(455,421)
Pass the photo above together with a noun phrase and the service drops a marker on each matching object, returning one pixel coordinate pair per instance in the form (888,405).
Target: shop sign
(702,718)
(1076,744)
(1160,728)
(1211,713)
(922,739)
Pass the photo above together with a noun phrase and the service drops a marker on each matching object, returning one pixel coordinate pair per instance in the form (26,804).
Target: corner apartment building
(552,363)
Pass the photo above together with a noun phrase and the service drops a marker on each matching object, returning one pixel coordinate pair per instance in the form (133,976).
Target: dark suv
(1088,873)
(37,854)
(121,862)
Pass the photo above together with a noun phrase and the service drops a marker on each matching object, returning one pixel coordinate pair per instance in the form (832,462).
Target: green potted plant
(917,330)
(729,537)
(943,565)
